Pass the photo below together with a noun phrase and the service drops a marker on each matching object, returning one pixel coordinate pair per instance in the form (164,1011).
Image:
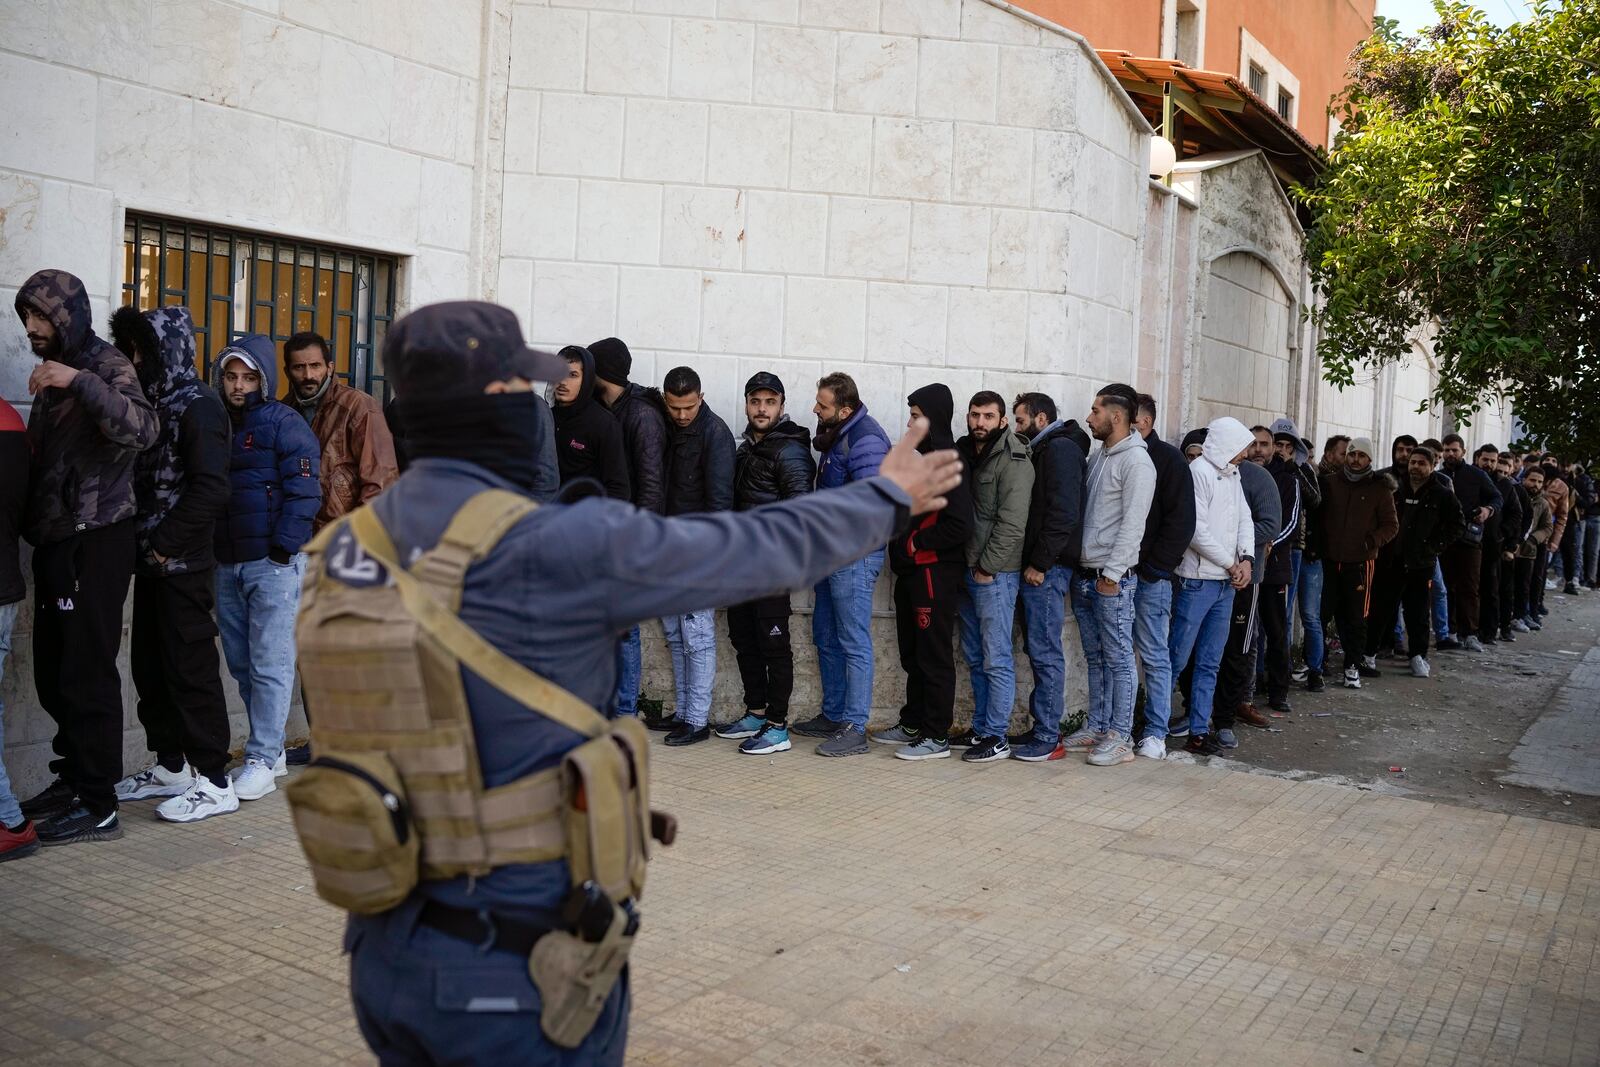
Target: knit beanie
(612,361)
(1362,445)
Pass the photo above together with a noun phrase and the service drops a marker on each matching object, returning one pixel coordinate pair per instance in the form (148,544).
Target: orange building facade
(1291,53)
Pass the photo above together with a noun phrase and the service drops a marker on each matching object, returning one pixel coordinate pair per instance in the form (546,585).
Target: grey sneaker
(1519,626)
(1081,740)
(896,735)
(1227,739)
(1472,644)
(850,740)
(925,748)
(1114,749)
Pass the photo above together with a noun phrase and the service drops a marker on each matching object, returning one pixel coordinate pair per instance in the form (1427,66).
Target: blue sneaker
(1035,751)
(771,738)
(748,726)
(1227,739)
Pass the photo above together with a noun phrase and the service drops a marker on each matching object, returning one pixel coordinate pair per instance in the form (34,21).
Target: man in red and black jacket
(930,565)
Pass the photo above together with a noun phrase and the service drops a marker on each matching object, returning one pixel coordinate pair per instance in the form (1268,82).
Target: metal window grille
(1258,80)
(236,282)
(1286,106)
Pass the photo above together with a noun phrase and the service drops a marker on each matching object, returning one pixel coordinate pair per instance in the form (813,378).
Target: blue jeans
(692,640)
(1105,626)
(1591,548)
(10,810)
(1152,633)
(1308,586)
(1201,617)
(1044,613)
(987,614)
(1441,604)
(256,606)
(630,665)
(841,628)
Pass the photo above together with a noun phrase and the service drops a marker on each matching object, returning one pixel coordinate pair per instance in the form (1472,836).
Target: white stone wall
(1244,358)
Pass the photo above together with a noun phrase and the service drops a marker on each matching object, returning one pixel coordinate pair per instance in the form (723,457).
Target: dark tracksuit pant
(1347,595)
(175,670)
(1463,569)
(1570,570)
(1237,673)
(1396,589)
(80,585)
(1489,594)
(1541,569)
(1522,586)
(1508,592)
(759,633)
(925,602)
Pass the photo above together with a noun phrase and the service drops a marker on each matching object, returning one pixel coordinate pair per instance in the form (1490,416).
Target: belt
(484,929)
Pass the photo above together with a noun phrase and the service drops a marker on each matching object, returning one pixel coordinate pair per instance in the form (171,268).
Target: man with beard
(588,438)
(181,484)
(1357,519)
(90,419)
(773,463)
(1498,536)
(1399,454)
(1515,536)
(852,445)
(358,460)
(1430,519)
(929,562)
(1463,561)
(1050,548)
(1531,555)
(1335,450)
(1305,581)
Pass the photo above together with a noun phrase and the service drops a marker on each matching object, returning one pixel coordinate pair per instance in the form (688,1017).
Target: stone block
(1082,255)
(877,74)
(988,328)
(787,11)
(712,60)
(949,244)
(539,217)
(1039,87)
(981,21)
(573,301)
(47,136)
(958,80)
(446,203)
(445,35)
(825,319)
(749,146)
(580,135)
(786,233)
(223,179)
(840,14)
(195,50)
(831,153)
(312,176)
(665,141)
(515,291)
(597,5)
(907,323)
(1114,258)
(795,67)
(547,47)
(439,275)
(628,54)
(74,224)
(619,222)
(278,62)
(702,227)
(383,192)
(1029,250)
(21,253)
(424,116)
(741,314)
(922,18)
(105,36)
(355,86)
(1052,341)
(988,163)
(869,238)
(144,142)
(522,131)
(912,158)
(467,105)
(697,8)
(1056,169)
(659,308)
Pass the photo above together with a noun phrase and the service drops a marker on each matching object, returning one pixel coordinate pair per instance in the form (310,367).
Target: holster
(574,978)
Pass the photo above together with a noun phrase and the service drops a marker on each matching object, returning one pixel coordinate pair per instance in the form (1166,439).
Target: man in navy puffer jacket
(275,489)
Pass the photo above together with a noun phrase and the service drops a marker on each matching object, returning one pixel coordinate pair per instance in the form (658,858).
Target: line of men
(131,468)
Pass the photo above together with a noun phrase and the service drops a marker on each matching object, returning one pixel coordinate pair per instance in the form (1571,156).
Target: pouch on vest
(574,978)
(351,814)
(605,793)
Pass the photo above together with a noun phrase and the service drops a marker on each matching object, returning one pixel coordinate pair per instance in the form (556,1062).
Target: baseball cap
(764,380)
(460,346)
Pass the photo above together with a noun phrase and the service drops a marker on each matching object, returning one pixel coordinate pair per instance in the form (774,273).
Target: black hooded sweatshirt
(1169,528)
(589,438)
(1054,535)
(939,536)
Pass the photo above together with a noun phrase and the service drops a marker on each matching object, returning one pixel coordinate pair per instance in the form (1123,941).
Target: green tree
(1465,191)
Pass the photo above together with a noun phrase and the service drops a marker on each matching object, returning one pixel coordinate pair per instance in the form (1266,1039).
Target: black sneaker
(684,734)
(817,726)
(962,739)
(1368,672)
(1281,704)
(298,756)
(1447,644)
(1571,589)
(1314,682)
(987,750)
(57,797)
(79,824)
(1202,745)
(662,724)
(1507,636)
(1018,740)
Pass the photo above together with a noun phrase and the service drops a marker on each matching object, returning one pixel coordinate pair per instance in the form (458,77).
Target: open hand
(924,478)
(50,375)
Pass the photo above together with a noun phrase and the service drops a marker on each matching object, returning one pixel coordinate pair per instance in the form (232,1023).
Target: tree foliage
(1465,191)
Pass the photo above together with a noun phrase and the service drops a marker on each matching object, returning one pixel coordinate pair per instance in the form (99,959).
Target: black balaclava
(497,431)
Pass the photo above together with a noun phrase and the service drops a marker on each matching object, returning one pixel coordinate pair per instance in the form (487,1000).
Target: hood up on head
(585,397)
(259,353)
(1225,438)
(174,335)
(61,298)
(939,406)
(1285,427)
(1193,437)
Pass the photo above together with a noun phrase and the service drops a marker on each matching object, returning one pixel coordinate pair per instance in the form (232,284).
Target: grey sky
(1414,14)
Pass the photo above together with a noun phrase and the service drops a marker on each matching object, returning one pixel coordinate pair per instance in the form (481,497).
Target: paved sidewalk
(1561,751)
(867,911)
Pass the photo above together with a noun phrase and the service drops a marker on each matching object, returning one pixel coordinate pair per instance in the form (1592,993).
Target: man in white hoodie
(1218,561)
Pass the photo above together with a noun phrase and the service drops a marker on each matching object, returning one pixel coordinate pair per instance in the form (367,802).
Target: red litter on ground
(1397,769)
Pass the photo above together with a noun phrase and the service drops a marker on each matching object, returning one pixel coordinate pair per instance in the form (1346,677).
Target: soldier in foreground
(484,825)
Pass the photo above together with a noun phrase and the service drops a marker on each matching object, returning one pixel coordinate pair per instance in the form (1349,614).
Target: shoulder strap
(474,530)
(467,645)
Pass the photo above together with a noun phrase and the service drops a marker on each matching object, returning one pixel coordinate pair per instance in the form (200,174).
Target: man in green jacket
(1002,489)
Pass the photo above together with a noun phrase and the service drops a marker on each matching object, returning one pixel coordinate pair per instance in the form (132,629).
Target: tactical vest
(395,793)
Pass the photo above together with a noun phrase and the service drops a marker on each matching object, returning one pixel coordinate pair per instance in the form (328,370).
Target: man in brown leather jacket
(358,459)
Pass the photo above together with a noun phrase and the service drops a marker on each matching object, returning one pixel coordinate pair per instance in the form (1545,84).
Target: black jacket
(1280,560)
(644,438)
(1054,535)
(939,536)
(1474,488)
(1169,528)
(589,439)
(14,455)
(1430,521)
(777,467)
(1503,524)
(699,468)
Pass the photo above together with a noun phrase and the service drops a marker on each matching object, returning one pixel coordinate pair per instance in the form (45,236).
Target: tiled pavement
(866,911)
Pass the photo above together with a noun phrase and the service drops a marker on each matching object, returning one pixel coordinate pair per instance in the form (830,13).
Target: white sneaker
(1518,626)
(1472,644)
(280,769)
(201,801)
(254,780)
(1419,667)
(1370,662)
(155,782)
(1153,748)
(1352,679)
